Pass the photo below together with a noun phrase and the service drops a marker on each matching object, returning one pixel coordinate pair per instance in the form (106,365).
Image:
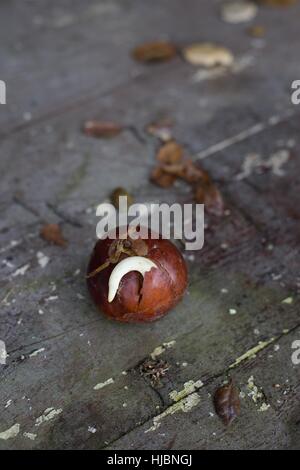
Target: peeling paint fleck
(30,435)
(43,260)
(36,352)
(104,384)
(254,162)
(10,433)
(21,271)
(184,405)
(48,414)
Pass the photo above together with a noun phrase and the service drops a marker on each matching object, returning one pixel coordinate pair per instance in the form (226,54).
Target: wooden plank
(59,346)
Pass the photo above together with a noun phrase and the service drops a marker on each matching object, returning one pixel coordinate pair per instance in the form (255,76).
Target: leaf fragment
(209,195)
(52,233)
(227,402)
(102,129)
(170,153)
(158,51)
(162,178)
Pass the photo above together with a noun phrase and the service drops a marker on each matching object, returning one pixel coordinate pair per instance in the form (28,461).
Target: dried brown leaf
(209,195)
(154,52)
(162,178)
(117,193)
(227,403)
(52,233)
(170,153)
(102,129)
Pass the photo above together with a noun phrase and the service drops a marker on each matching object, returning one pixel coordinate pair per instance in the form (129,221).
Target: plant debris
(227,402)
(158,51)
(102,129)
(170,153)
(52,233)
(162,178)
(154,370)
(119,192)
(208,55)
(172,165)
(127,246)
(208,194)
(238,11)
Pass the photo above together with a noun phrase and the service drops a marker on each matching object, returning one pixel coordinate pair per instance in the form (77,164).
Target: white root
(133,263)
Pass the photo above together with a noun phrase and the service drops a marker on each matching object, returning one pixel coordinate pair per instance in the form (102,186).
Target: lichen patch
(10,433)
(184,405)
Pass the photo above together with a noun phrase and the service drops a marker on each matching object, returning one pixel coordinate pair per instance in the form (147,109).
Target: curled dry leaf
(162,178)
(102,129)
(52,233)
(117,193)
(185,170)
(172,166)
(208,55)
(170,153)
(158,51)
(208,194)
(227,403)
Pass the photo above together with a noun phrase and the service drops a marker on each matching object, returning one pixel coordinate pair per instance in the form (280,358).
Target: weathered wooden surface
(65,62)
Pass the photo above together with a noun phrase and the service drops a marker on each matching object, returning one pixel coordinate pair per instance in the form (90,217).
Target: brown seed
(101,129)
(227,403)
(170,153)
(52,233)
(154,52)
(161,178)
(119,192)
